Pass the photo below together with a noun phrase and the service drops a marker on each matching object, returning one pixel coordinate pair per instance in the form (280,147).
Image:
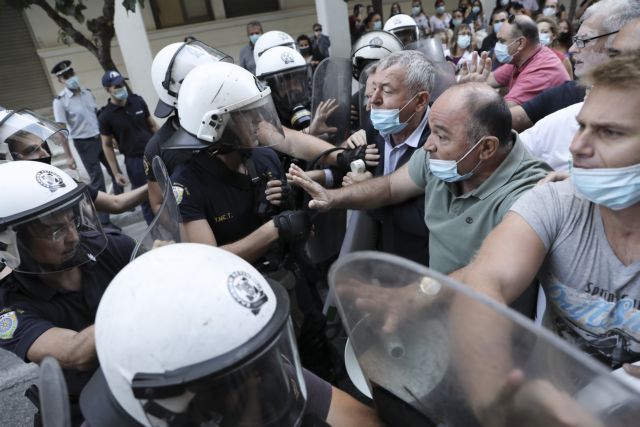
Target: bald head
(626,40)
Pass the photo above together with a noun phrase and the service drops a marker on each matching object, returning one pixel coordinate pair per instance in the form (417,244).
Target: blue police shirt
(207,189)
(28,307)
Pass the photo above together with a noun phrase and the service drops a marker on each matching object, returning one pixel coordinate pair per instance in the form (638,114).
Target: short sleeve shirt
(593,299)
(78,112)
(128,124)
(207,189)
(543,70)
(28,307)
(553,99)
(458,223)
(172,158)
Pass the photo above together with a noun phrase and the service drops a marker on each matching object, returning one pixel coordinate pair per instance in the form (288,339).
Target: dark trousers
(89,150)
(135,170)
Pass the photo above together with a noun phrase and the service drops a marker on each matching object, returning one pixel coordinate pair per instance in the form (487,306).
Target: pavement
(15,375)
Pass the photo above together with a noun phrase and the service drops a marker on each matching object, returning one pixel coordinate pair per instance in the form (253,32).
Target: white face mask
(549,11)
(545,38)
(464,41)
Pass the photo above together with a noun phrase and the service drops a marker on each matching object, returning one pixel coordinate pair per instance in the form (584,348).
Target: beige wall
(228,35)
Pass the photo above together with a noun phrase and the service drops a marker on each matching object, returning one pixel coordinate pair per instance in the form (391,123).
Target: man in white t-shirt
(580,237)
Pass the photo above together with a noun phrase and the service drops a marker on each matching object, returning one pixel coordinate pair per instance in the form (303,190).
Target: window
(170,13)
(235,8)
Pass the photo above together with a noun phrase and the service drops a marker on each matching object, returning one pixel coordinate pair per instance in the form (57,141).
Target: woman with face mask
(479,21)
(441,19)
(461,45)
(422,20)
(373,22)
(395,9)
(457,19)
(548,34)
(304,47)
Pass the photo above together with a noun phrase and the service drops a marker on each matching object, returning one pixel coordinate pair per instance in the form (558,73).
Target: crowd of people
(499,149)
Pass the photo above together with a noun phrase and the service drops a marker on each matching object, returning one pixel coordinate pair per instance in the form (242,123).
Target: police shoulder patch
(178,192)
(8,325)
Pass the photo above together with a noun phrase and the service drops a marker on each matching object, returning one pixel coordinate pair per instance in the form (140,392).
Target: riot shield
(165,227)
(332,81)
(363,101)
(53,394)
(431,349)
(445,71)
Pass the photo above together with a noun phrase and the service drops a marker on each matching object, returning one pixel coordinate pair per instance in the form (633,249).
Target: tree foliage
(100,27)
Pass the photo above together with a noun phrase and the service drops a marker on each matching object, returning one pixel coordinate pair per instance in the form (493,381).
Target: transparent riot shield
(431,349)
(445,71)
(53,394)
(332,83)
(363,101)
(165,227)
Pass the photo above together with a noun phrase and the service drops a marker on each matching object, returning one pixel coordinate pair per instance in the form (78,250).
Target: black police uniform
(128,124)
(29,308)
(172,159)
(208,189)
(402,228)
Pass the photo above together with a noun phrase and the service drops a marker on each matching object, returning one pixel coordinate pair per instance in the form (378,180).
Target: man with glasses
(59,262)
(529,68)
(126,120)
(598,30)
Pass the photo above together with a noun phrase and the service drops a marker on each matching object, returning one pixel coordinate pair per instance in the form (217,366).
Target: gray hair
(419,73)
(617,14)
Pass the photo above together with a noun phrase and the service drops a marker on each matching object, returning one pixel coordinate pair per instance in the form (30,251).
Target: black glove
(349,155)
(293,226)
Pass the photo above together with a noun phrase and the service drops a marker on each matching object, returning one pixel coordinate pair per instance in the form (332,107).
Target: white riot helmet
(214,347)
(47,220)
(172,64)
(289,77)
(403,27)
(24,135)
(372,47)
(272,39)
(223,105)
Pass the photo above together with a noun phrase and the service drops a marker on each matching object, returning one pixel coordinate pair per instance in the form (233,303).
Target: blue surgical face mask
(615,188)
(415,10)
(377,25)
(387,121)
(549,11)
(545,39)
(72,83)
(464,41)
(496,27)
(456,22)
(447,170)
(120,94)
(502,52)
(440,9)
(475,9)
(253,38)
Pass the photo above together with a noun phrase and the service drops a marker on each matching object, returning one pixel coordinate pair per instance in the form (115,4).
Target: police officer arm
(73,350)
(153,126)
(109,153)
(345,411)
(371,194)
(155,195)
(250,248)
(59,113)
(118,203)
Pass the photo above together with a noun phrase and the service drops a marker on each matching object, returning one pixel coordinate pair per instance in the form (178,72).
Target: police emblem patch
(376,41)
(287,58)
(246,291)
(50,180)
(178,193)
(8,325)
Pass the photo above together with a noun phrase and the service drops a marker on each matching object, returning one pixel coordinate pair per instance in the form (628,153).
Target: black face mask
(564,38)
(305,51)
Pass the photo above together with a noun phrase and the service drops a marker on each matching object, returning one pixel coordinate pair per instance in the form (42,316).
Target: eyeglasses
(57,233)
(581,42)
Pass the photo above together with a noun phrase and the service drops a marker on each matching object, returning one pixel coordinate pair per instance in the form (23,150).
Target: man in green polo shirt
(471,170)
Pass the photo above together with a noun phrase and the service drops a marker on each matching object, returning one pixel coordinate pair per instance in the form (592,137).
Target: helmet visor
(57,240)
(29,135)
(406,34)
(267,390)
(256,124)
(291,92)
